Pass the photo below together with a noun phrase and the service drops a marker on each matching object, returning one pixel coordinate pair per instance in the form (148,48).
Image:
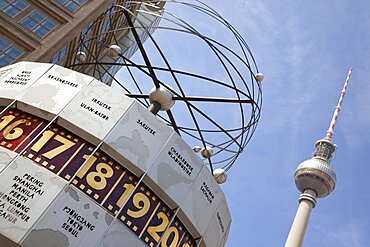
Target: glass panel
(62,1)
(3,3)
(10,10)
(63,51)
(80,2)
(54,59)
(49,24)
(38,16)
(59,56)
(106,25)
(3,44)
(4,60)
(72,6)
(20,4)
(14,52)
(40,31)
(29,23)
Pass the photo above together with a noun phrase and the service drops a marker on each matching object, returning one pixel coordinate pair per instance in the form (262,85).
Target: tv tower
(315,178)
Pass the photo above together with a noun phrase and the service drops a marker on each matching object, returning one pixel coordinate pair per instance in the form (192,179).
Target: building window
(85,37)
(72,5)
(13,7)
(8,52)
(38,23)
(60,56)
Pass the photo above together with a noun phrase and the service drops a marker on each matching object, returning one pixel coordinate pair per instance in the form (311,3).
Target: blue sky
(304,49)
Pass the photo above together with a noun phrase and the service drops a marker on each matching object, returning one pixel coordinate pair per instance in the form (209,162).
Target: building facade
(54,31)
(44,30)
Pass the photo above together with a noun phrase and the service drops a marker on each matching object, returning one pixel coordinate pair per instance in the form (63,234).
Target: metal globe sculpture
(213,78)
(81,56)
(114,51)
(220,175)
(260,77)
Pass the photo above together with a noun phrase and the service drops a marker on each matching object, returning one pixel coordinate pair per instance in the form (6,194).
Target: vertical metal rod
(154,107)
(141,48)
(330,131)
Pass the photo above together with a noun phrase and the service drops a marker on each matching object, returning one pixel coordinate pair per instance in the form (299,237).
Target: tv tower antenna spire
(330,131)
(315,178)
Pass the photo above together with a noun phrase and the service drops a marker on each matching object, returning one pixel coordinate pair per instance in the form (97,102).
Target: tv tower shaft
(315,178)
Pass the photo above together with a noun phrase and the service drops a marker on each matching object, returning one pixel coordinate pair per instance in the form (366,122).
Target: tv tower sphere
(316,173)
